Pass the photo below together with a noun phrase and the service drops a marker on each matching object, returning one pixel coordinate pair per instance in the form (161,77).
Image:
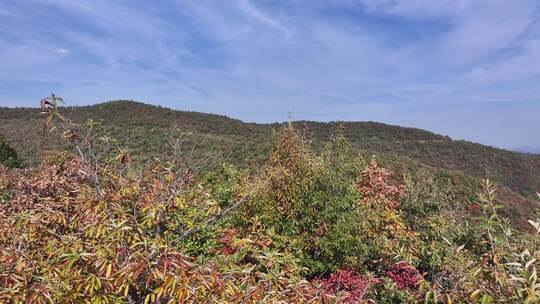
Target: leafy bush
(8,155)
(348,284)
(310,227)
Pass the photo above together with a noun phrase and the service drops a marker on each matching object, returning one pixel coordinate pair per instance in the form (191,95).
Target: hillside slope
(145,130)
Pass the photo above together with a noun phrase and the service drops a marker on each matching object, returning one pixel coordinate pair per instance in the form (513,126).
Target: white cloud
(256,13)
(63,51)
(487,27)
(475,28)
(516,68)
(425,9)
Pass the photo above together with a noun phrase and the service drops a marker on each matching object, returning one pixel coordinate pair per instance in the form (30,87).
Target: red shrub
(347,282)
(226,241)
(404,275)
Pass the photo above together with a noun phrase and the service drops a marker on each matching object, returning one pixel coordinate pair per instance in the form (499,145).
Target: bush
(310,227)
(8,155)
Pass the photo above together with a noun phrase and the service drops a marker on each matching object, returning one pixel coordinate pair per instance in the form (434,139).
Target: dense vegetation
(145,131)
(8,155)
(312,225)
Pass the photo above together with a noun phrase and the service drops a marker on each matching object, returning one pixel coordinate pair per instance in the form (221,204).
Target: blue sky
(465,68)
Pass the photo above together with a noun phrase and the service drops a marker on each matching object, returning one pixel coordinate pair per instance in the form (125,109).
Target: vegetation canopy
(315,223)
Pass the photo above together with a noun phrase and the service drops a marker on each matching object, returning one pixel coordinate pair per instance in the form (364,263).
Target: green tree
(8,155)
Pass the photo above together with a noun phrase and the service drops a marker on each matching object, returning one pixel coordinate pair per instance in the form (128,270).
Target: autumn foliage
(329,227)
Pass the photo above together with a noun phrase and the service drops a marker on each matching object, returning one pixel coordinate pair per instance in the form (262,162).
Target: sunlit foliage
(309,227)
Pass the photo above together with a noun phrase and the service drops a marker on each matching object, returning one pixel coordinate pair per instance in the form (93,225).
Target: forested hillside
(145,130)
(311,224)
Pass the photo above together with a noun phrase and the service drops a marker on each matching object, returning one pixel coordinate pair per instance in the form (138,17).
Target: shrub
(8,155)
(346,284)
(404,275)
(309,228)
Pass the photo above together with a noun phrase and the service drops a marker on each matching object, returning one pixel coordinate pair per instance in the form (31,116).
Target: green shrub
(8,155)
(314,225)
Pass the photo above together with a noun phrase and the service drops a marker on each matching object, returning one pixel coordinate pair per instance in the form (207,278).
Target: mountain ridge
(145,128)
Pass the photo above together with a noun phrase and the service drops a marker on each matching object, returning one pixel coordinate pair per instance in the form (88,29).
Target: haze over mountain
(528,149)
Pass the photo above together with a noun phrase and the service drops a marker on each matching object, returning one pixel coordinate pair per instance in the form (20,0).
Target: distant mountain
(145,130)
(527,149)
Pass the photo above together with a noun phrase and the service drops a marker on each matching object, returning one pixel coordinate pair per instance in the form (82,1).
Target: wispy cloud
(257,14)
(453,66)
(63,51)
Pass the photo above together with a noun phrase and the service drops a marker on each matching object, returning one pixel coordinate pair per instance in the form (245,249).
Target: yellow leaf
(109,270)
(475,294)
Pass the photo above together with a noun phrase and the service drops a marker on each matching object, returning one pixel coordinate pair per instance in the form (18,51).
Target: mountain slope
(145,130)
